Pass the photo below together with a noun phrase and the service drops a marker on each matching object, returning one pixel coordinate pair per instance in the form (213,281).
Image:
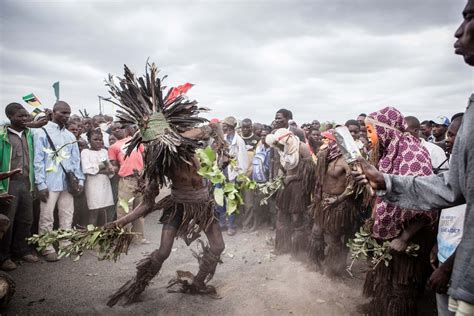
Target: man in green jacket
(16,152)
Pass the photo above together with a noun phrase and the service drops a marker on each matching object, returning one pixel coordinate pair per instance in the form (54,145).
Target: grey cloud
(321,59)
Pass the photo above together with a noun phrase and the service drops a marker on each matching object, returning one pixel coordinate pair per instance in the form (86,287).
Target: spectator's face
(361,120)
(20,118)
(280,121)
(413,130)
(257,130)
(306,130)
(96,141)
(425,130)
(355,131)
(439,130)
(112,140)
(226,128)
(451,135)
(465,35)
(87,125)
(117,130)
(315,137)
(246,129)
(363,132)
(61,114)
(96,121)
(316,124)
(74,129)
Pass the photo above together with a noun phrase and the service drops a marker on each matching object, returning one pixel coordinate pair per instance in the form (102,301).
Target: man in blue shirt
(51,182)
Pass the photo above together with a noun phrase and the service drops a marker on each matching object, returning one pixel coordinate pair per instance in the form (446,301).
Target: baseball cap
(441,120)
(230,120)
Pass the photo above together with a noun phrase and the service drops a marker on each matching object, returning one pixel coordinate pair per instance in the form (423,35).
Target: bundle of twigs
(364,246)
(160,119)
(268,189)
(110,243)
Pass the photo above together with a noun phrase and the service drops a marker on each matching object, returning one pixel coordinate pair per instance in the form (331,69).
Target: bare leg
(208,260)
(336,257)
(211,256)
(316,246)
(147,268)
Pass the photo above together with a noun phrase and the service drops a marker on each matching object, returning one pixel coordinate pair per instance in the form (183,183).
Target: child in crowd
(97,168)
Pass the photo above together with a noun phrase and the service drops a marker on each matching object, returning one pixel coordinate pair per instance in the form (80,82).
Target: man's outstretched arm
(413,192)
(425,193)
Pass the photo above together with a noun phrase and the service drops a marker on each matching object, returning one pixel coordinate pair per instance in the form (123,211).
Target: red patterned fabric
(334,151)
(401,154)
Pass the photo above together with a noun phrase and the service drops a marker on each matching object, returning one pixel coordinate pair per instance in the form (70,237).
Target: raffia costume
(397,287)
(337,220)
(161,120)
(292,226)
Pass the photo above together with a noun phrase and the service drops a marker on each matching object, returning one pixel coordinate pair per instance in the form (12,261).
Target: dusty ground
(252,281)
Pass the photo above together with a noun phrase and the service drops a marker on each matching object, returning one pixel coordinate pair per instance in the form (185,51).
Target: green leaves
(269,188)
(124,204)
(230,192)
(57,156)
(363,246)
(109,242)
(219,196)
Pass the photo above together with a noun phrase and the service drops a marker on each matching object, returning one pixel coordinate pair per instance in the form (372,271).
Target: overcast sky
(320,59)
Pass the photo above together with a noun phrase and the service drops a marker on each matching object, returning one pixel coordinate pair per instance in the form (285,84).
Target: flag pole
(100,105)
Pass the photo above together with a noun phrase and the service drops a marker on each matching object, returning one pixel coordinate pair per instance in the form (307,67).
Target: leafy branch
(228,192)
(363,246)
(57,156)
(110,243)
(270,188)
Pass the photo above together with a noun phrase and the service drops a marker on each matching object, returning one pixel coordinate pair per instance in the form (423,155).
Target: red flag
(177,91)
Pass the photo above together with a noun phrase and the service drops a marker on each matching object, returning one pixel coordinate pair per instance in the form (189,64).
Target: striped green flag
(32,100)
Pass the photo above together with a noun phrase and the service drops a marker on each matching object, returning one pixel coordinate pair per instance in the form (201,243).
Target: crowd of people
(77,167)
(313,215)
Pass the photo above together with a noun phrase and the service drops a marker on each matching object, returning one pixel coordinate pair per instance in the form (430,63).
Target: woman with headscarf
(396,287)
(292,227)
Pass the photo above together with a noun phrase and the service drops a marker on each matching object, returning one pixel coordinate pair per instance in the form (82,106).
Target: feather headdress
(160,120)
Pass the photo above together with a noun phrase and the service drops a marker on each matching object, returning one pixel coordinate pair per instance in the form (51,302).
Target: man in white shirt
(238,150)
(439,160)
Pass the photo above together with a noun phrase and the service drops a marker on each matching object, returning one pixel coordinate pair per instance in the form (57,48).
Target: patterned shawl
(333,150)
(401,154)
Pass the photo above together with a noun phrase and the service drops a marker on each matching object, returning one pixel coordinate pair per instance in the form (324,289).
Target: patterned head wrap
(333,150)
(401,154)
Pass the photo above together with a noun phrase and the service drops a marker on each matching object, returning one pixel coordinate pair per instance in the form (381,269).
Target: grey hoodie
(454,187)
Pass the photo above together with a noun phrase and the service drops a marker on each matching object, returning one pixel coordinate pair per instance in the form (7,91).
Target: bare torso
(335,179)
(185,175)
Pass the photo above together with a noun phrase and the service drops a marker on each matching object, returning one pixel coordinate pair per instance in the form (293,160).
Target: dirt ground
(251,281)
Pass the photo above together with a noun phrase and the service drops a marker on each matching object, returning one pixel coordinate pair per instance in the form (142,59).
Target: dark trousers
(20,213)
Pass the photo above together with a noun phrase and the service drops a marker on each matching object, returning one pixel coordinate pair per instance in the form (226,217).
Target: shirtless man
(188,210)
(334,209)
(292,202)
